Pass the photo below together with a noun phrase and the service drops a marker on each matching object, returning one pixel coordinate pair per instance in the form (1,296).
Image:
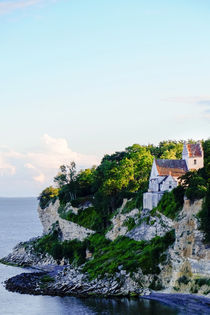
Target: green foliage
(194,184)
(135,202)
(156,284)
(202,281)
(74,251)
(108,255)
(206,148)
(167,149)
(66,175)
(48,195)
(88,218)
(204,216)
(120,175)
(183,280)
(129,254)
(130,223)
(171,202)
(85,181)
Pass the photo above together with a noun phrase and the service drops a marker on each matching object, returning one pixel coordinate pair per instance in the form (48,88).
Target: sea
(19,222)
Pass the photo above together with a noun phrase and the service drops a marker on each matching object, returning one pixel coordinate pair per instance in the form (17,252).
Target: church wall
(151,199)
(199,163)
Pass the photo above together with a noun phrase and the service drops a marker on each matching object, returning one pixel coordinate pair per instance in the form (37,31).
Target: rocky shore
(65,280)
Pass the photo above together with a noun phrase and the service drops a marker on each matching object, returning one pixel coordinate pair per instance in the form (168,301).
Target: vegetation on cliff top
(120,175)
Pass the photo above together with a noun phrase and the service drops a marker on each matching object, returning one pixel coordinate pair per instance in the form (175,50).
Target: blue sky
(81,78)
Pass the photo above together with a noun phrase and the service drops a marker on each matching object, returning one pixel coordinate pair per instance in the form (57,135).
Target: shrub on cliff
(205,216)
(48,195)
(195,184)
(171,202)
(129,254)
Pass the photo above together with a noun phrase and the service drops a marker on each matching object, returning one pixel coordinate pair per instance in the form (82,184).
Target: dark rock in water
(25,283)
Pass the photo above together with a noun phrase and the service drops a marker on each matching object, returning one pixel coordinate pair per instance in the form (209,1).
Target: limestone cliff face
(189,256)
(69,230)
(147,227)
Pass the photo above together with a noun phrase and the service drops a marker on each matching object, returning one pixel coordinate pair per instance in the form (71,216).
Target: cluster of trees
(121,175)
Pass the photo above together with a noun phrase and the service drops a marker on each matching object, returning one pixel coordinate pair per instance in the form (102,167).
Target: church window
(195,162)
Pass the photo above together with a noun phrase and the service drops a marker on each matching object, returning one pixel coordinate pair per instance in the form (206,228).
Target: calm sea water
(18,222)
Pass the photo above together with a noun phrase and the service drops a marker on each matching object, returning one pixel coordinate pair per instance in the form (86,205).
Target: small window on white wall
(195,162)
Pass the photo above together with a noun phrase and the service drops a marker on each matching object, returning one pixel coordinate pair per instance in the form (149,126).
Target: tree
(66,175)
(47,195)
(85,180)
(195,186)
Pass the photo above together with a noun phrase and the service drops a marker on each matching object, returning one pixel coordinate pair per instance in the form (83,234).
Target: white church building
(165,173)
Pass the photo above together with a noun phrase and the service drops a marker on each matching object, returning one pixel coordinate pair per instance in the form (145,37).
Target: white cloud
(55,151)
(39,178)
(41,166)
(30,166)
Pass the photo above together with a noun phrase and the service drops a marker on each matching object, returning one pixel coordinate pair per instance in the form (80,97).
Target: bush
(204,216)
(48,195)
(88,218)
(194,184)
(171,202)
(183,280)
(74,251)
(130,254)
(202,281)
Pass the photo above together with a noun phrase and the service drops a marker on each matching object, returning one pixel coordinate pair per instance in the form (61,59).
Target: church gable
(168,183)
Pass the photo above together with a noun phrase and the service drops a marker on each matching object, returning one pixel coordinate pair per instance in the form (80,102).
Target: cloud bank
(37,168)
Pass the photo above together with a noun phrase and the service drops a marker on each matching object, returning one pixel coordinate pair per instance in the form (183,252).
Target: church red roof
(175,168)
(194,150)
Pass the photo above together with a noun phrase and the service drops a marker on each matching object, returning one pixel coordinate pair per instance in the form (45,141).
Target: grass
(130,205)
(129,254)
(89,218)
(130,223)
(171,203)
(109,255)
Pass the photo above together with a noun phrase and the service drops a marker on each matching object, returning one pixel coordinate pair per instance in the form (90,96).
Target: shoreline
(27,283)
(32,283)
(194,304)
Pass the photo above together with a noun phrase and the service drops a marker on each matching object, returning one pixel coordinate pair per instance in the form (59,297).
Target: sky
(82,78)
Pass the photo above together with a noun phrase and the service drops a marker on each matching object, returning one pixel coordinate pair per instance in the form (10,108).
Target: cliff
(183,265)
